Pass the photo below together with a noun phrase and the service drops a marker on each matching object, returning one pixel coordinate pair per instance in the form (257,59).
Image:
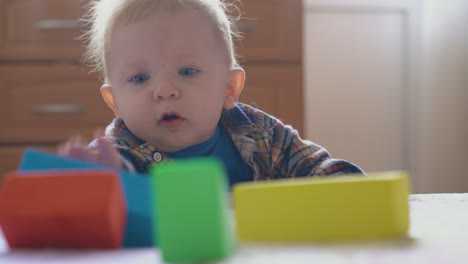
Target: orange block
(63,209)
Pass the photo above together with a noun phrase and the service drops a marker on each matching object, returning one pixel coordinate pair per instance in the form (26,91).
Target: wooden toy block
(138,230)
(192,210)
(63,209)
(325,209)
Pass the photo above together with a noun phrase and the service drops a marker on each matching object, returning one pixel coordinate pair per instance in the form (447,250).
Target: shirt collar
(244,119)
(240,120)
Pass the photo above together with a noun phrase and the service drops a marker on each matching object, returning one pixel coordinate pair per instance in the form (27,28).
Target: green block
(191,214)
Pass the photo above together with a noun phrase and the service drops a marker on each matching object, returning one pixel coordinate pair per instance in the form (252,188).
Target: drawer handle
(58,109)
(245,27)
(59,24)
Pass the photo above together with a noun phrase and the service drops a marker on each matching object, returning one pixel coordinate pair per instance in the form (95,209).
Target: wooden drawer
(272,30)
(276,90)
(40,29)
(42,104)
(10,158)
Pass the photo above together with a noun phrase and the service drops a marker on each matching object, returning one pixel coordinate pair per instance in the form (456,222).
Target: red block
(63,209)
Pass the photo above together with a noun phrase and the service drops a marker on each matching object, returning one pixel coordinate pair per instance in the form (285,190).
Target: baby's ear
(234,88)
(108,96)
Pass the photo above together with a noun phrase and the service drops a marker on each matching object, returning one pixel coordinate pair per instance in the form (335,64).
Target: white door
(357,72)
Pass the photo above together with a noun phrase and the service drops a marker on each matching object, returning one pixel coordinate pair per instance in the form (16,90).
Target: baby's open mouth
(171,119)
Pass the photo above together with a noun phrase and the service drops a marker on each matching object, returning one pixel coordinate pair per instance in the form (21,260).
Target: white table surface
(438,234)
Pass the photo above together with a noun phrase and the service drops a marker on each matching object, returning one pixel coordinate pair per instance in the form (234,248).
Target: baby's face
(168,75)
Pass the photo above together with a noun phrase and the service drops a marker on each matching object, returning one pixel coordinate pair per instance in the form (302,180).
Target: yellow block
(324,209)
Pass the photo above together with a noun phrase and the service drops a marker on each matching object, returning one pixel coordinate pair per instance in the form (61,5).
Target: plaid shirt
(272,149)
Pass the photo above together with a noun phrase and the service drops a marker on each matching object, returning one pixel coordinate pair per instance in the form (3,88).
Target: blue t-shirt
(220,145)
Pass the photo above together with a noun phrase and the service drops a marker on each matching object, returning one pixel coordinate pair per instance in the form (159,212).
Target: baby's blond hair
(103,15)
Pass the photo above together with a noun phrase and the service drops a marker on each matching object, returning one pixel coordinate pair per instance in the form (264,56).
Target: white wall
(443,155)
(434,84)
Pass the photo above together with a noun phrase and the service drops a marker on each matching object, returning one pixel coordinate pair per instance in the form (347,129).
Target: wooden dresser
(46,95)
(271,54)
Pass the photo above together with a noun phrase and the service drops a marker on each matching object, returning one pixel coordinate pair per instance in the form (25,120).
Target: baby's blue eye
(188,71)
(139,78)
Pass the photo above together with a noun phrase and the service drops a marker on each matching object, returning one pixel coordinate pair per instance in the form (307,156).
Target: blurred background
(382,83)
(386,86)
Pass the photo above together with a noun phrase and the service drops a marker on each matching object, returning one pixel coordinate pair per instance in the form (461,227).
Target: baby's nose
(166,90)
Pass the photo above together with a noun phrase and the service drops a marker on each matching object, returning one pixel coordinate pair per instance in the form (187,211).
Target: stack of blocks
(65,209)
(138,230)
(183,207)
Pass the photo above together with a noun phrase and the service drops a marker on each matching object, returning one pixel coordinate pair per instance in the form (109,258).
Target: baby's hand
(104,153)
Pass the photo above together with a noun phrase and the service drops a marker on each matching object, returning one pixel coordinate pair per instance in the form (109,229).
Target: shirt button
(158,157)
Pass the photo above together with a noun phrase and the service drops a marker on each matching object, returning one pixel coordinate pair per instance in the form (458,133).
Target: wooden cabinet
(41,29)
(10,158)
(48,103)
(275,89)
(47,96)
(271,30)
(271,53)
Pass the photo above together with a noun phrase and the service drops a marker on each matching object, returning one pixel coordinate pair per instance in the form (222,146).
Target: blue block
(138,231)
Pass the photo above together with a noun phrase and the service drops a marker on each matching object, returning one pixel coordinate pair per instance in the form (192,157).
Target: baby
(173,82)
